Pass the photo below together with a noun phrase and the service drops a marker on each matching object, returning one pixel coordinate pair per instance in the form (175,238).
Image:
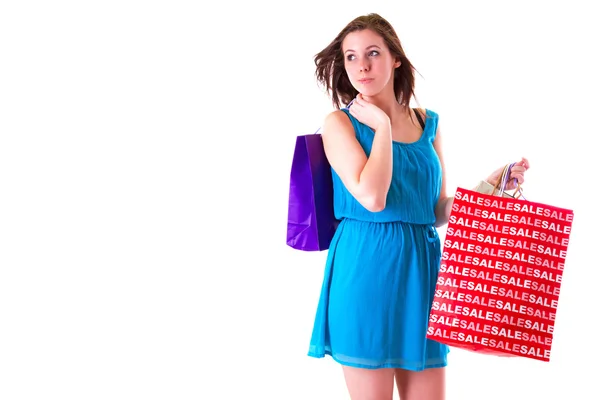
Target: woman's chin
(369,92)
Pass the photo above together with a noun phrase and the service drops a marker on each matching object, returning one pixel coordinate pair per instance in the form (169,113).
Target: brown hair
(330,62)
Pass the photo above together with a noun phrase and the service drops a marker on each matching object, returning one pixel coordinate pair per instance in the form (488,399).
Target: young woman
(390,194)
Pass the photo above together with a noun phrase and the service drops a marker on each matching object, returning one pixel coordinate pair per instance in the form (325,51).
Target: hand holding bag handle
(503,180)
(499,187)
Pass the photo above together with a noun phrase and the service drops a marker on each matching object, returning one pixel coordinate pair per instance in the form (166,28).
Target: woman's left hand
(517,172)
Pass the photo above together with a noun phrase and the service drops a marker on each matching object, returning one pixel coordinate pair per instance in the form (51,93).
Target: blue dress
(381,268)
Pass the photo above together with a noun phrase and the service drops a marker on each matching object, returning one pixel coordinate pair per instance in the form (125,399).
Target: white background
(145,150)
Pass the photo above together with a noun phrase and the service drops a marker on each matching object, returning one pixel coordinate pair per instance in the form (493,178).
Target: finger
(518,176)
(511,185)
(518,169)
(523,163)
(359,107)
(363,101)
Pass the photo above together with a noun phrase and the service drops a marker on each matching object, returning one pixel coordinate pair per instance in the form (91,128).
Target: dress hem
(439,364)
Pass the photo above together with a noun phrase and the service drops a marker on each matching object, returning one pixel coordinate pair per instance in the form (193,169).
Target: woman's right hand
(368,113)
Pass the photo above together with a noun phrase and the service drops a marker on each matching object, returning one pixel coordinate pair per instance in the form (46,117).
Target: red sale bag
(500,274)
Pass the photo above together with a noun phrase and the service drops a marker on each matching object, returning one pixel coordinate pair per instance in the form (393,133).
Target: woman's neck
(388,104)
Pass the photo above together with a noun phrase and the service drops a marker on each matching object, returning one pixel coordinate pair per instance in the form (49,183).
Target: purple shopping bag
(311,221)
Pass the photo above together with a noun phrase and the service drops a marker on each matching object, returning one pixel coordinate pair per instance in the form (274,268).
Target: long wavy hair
(331,72)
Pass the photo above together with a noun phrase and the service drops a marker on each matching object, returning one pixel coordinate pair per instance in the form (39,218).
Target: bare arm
(444,204)
(367,179)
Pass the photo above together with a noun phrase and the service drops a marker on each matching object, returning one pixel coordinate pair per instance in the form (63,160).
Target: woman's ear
(397,64)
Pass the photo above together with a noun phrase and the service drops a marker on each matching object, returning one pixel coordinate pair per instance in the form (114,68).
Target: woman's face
(368,62)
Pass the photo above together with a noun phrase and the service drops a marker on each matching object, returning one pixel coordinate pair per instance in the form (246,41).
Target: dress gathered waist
(429,229)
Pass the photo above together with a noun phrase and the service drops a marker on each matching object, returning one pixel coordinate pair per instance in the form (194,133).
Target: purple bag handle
(505,181)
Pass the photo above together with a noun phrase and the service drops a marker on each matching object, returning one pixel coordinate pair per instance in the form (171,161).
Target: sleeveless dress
(381,268)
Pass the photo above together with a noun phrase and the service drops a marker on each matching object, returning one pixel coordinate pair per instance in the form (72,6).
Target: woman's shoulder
(338,119)
(426,112)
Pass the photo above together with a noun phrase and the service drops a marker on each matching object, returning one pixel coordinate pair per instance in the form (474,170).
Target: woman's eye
(372,53)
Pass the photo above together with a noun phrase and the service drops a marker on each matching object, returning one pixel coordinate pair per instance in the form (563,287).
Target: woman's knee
(429,384)
(369,384)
